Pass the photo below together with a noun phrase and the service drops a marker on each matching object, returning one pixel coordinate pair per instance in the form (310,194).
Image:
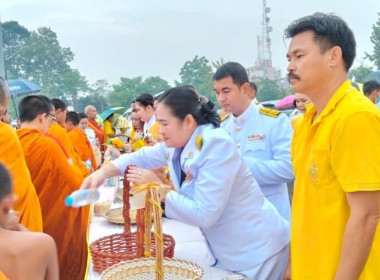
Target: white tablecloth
(189,241)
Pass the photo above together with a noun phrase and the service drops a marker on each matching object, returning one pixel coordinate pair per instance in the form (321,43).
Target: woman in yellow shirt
(109,129)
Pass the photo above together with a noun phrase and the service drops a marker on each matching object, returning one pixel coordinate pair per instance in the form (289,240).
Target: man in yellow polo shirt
(336,157)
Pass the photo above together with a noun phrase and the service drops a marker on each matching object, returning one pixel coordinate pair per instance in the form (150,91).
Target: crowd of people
(227,173)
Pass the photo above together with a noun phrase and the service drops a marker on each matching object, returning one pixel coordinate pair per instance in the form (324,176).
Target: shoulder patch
(269,112)
(223,118)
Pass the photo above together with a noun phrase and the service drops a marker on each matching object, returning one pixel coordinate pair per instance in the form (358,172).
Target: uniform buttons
(238,145)
(242,119)
(238,128)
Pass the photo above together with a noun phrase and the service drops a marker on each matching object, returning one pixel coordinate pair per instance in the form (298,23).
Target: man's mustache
(293,76)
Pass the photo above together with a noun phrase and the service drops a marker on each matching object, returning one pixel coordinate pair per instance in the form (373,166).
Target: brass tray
(116,216)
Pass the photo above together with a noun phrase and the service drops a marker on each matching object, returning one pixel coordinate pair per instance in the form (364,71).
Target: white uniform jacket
(264,141)
(220,196)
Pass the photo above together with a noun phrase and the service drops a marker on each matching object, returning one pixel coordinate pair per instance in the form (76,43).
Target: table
(190,243)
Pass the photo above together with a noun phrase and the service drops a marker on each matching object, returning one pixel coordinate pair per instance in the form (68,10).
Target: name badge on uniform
(190,155)
(254,137)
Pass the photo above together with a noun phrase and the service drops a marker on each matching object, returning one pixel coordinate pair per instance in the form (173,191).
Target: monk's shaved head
(4,96)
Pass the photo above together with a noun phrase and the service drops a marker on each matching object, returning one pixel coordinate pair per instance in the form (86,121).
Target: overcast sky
(124,38)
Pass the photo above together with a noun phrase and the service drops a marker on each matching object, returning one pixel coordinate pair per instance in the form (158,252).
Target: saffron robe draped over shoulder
(82,146)
(62,136)
(99,132)
(2,276)
(54,179)
(12,156)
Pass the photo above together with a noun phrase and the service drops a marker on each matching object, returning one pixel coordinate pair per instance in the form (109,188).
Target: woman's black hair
(185,100)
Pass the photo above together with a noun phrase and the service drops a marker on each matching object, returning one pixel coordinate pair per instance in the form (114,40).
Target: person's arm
(359,233)
(278,168)
(52,269)
(147,157)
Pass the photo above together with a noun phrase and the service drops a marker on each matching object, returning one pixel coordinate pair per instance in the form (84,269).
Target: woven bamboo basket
(157,268)
(112,249)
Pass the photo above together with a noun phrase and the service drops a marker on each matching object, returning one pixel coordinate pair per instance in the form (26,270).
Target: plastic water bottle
(82,197)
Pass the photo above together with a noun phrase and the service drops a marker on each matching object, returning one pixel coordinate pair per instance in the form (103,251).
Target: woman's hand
(93,181)
(142,176)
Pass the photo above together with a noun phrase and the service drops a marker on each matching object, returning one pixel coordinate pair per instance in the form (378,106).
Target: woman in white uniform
(217,192)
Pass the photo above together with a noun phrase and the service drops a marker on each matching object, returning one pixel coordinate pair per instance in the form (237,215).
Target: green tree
(375,39)
(96,95)
(73,84)
(125,91)
(269,90)
(14,37)
(130,88)
(43,60)
(360,73)
(198,73)
(153,85)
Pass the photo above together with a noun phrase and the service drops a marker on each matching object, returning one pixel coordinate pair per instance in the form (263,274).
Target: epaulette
(269,112)
(223,118)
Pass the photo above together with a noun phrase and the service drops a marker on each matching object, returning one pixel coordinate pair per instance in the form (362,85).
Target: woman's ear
(189,121)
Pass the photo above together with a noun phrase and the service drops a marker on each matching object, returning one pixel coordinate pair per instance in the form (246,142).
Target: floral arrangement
(122,124)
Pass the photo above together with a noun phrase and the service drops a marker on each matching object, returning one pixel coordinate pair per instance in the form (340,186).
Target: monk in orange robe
(59,133)
(11,155)
(92,123)
(79,139)
(54,179)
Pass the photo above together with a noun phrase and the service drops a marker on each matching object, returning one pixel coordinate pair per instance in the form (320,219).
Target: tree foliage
(269,90)
(129,88)
(14,37)
(97,95)
(375,39)
(360,74)
(45,61)
(73,84)
(198,73)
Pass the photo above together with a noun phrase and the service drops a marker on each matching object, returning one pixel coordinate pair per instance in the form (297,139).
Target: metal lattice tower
(264,57)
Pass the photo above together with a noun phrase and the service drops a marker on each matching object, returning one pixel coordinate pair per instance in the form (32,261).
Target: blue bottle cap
(69,200)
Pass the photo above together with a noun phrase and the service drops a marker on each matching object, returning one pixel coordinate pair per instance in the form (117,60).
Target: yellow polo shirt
(108,129)
(337,153)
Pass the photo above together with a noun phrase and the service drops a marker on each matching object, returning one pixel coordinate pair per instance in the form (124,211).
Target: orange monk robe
(12,156)
(99,132)
(82,146)
(54,179)
(3,277)
(60,133)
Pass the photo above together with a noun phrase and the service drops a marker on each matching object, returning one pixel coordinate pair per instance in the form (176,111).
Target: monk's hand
(141,176)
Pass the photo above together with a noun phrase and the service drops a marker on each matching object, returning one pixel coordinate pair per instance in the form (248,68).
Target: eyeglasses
(53,118)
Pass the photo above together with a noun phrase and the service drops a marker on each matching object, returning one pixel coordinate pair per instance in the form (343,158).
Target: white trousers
(271,269)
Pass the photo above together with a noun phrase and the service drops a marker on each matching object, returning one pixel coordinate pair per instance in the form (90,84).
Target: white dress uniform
(220,196)
(263,136)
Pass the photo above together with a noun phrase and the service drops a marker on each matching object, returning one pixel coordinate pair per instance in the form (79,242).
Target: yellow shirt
(108,129)
(295,120)
(337,153)
(154,130)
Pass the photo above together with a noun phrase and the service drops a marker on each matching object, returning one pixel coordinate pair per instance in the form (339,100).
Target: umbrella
(20,87)
(103,116)
(285,102)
